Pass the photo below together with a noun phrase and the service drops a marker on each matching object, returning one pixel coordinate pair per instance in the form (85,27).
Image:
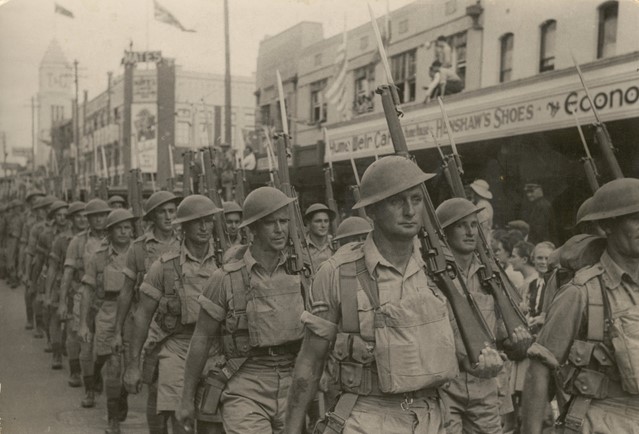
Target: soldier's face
(199,231)
(122,233)
(117,205)
(462,235)
(319,224)
(60,216)
(271,232)
(623,235)
(233,220)
(398,217)
(97,221)
(80,221)
(164,215)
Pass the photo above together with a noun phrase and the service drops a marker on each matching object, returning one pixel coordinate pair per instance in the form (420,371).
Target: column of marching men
(368,344)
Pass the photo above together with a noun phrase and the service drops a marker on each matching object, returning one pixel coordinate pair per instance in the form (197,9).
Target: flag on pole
(336,92)
(164,16)
(63,11)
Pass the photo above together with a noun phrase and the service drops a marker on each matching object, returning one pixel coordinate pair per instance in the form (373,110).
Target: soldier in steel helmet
(27,219)
(102,281)
(34,307)
(589,340)
(351,229)
(160,238)
(473,401)
(81,248)
(116,202)
(3,240)
(255,304)
(58,223)
(55,269)
(384,325)
(168,304)
(233,218)
(14,227)
(318,221)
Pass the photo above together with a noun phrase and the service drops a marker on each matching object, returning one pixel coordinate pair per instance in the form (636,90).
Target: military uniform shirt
(319,254)
(115,260)
(153,249)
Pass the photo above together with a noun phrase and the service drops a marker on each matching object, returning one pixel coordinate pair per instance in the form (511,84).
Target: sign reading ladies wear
(508,111)
(144,143)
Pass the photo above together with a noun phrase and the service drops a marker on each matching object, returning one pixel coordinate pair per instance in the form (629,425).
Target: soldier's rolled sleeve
(90,273)
(152,285)
(213,299)
(71,257)
(130,269)
(324,307)
(563,324)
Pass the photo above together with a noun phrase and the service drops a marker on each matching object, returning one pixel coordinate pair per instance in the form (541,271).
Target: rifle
(187,187)
(440,266)
(297,241)
(361,212)
(491,276)
(589,164)
(103,189)
(275,178)
(330,197)
(93,185)
(221,233)
(602,137)
(135,199)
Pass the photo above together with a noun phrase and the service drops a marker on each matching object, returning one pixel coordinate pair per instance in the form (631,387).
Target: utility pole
(33,134)
(76,120)
(227,77)
(4,152)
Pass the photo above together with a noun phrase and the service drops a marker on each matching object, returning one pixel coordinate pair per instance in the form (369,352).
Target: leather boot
(97,375)
(48,348)
(113,411)
(89,397)
(57,356)
(29,325)
(38,334)
(124,405)
(74,373)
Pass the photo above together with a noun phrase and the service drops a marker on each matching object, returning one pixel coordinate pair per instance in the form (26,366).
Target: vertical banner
(144,119)
(166,119)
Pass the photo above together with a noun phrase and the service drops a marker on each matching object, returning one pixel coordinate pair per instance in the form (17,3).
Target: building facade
(514,120)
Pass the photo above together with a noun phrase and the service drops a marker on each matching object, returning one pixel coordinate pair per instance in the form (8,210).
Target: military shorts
(105,327)
(612,416)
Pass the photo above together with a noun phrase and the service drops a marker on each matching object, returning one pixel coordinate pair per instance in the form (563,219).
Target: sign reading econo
(489,116)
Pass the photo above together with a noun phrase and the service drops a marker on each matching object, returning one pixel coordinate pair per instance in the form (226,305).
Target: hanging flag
(336,92)
(63,11)
(163,15)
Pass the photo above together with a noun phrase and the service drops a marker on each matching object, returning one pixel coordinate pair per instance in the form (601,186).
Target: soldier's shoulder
(585,274)
(347,253)
(234,254)
(169,256)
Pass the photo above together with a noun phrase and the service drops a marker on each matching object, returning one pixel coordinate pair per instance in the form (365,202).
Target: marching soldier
(473,401)
(34,308)
(55,269)
(102,281)
(590,340)
(144,251)
(116,202)
(3,240)
(168,296)
(233,218)
(387,327)
(57,223)
(255,304)
(27,220)
(352,229)
(80,249)
(318,220)
(14,228)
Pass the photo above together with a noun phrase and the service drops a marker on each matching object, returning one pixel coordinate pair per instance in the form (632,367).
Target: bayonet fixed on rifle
(270,155)
(296,235)
(330,197)
(589,164)
(221,233)
(601,132)
(187,185)
(135,199)
(361,212)
(493,280)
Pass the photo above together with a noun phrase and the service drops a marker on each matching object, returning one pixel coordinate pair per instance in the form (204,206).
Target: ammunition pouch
(210,388)
(625,340)
(169,311)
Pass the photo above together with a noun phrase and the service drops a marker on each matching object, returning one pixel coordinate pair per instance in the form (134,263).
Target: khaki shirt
(14,224)
(195,274)
(153,249)
(81,247)
(319,254)
(34,233)
(111,263)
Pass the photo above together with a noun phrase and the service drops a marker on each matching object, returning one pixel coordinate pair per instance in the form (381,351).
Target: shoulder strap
(599,312)
(139,249)
(240,283)
(349,273)
(171,270)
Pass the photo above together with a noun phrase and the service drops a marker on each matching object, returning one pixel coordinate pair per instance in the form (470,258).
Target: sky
(102,29)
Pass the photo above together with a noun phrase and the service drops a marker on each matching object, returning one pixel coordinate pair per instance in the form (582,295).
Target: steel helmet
(231,207)
(614,199)
(318,207)
(455,209)
(116,199)
(157,199)
(43,202)
(56,206)
(76,207)
(96,206)
(584,210)
(194,207)
(262,202)
(33,193)
(118,216)
(352,226)
(387,177)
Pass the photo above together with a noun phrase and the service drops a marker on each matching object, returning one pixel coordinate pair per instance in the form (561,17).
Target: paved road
(35,399)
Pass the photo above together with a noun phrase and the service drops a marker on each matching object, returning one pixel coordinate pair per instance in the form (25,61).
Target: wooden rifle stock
(135,199)
(93,185)
(221,239)
(589,164)
(330,198)
(440,265)
(186,173)
(103,190)
(494,282)
(361,212)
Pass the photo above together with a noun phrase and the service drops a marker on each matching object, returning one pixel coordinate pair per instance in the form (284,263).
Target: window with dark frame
(547,55)
(318,105)
(403,70)
(364,101)
(506,57)
(457,44)
(265,115)
(607,37)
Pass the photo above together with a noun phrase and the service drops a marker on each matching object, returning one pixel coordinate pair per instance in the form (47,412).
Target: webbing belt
(336,419)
